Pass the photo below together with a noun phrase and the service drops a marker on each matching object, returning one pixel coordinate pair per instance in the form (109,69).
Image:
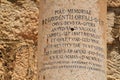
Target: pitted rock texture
(113,55)
(113,3)
(18,39)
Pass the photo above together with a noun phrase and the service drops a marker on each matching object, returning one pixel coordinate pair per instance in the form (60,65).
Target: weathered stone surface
(67,62)
(117,20)
(18,39)
(110,19)
(113,3)
(25,63)
(114,45)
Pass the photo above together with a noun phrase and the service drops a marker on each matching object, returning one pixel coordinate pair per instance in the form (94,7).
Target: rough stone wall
(18,39)
(113,54)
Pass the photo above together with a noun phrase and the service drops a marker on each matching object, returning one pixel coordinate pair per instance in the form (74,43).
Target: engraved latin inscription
(74,40)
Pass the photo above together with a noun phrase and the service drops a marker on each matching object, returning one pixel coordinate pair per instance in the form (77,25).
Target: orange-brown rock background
(18,39)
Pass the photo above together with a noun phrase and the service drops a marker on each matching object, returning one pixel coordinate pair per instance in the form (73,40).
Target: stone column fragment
(72,40)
